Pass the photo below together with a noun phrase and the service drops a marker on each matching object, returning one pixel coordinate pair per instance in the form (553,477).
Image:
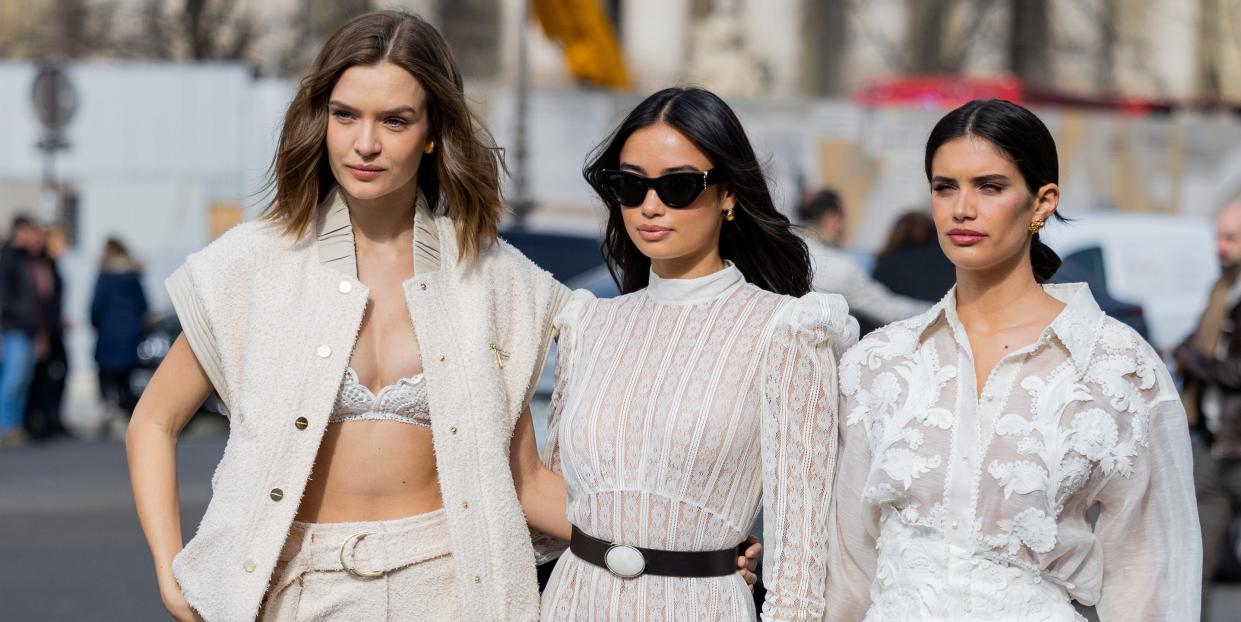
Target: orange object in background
(589,40)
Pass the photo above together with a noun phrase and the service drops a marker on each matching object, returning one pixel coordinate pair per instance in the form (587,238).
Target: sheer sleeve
(852,545)
(799,451)
(1148,522)
(547,547)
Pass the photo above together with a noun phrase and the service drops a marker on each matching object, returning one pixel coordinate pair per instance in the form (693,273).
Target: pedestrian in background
(835,272)
(47,385)
(19,319)
(1210,363)
(118,311)
(912,263)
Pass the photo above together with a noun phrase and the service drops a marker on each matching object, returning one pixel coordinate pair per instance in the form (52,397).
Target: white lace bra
(404,401)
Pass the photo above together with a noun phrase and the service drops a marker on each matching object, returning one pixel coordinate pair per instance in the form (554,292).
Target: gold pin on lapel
(500,355)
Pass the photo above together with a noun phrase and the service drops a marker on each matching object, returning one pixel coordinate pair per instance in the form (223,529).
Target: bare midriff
(372,470)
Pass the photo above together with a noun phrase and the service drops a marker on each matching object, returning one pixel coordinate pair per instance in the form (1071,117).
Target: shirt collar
(334,236)
(693,291)
(1075,326)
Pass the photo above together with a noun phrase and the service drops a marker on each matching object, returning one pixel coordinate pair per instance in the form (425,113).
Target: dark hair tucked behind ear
(1024,139)
(760,242)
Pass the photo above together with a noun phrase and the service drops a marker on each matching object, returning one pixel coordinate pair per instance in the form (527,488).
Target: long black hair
(760,241)
(1024,139)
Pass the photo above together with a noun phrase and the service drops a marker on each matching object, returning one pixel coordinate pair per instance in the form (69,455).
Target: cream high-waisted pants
(377,571)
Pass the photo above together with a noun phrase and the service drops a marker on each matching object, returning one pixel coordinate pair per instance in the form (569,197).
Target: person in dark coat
(1209,361)
(912,263)
(118,313)
(20,317)
(47,387)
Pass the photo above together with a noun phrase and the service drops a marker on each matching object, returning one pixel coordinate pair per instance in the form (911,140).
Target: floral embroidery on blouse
(1007,473)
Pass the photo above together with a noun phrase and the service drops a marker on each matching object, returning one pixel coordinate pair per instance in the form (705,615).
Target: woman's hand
(175,603)
(171,398)
(748,563)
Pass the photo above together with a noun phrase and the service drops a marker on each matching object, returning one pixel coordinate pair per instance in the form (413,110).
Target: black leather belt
(628,562)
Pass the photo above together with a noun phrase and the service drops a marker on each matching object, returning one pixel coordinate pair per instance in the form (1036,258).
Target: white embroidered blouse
(676,410)
(955,504)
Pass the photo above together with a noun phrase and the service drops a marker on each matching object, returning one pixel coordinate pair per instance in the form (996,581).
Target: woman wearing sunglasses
(978,436)
(707,387)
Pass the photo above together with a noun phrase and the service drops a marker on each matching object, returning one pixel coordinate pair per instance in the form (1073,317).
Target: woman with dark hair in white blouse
(977,437)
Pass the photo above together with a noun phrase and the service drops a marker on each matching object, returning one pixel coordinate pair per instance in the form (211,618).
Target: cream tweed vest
(273,322)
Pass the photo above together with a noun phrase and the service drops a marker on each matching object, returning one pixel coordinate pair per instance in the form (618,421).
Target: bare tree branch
(954,57)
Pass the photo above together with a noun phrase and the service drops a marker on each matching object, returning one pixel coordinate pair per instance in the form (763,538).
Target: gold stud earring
(1036,225)
(430,147)
(729,216)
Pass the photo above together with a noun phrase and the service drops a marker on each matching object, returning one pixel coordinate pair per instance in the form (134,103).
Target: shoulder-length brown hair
(462,174)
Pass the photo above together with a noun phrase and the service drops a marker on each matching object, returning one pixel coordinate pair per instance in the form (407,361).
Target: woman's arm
(799,408)
(1148,521)
(174,394)
(539,489)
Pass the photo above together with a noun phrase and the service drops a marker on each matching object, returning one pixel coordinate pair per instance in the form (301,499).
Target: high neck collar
(693,291)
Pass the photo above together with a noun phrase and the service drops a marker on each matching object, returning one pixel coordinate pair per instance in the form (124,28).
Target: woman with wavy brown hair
(374,344)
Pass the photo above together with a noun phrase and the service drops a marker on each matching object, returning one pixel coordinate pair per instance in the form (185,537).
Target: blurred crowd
(33,360)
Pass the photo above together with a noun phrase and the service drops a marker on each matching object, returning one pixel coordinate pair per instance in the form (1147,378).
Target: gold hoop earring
(1036,225)
(729,216)
(430,148)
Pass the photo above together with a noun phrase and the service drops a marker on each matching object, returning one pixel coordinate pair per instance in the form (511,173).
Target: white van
(1164,263)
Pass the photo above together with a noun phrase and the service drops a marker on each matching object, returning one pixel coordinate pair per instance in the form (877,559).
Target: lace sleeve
(851,546)
(799,452)
(1148,521)
(546,547)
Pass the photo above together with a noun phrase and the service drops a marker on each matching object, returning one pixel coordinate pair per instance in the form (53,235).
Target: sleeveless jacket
(273,321)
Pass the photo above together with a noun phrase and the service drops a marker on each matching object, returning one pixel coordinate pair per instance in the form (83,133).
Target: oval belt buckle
(361,574)
(624,561)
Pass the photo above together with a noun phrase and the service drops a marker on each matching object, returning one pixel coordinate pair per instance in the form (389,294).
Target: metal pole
(48,197)
(521,199)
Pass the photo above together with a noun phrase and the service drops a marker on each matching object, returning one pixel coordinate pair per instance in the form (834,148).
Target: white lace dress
(676,410)
(952,507)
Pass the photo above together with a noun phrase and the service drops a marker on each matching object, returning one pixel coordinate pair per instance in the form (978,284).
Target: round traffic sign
(54,97)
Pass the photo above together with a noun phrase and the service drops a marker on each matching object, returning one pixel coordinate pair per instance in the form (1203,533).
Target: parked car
(1166,264)
(163,331)
(1086,266)
(564,255)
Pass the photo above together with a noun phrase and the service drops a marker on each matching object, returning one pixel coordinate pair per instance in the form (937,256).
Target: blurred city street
(69,533)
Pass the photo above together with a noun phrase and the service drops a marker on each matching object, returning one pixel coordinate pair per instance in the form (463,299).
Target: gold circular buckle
(361,574)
